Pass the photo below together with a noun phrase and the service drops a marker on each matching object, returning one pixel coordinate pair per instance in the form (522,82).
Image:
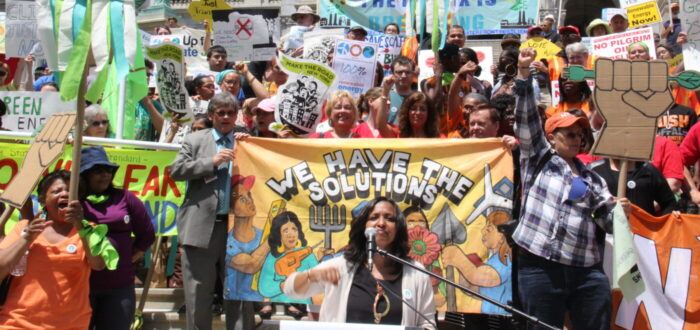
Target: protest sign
(643,14)
(426,61)
(608,13)
(477,17)
(690,16)
(193,42)
(295,38)
(355,63)
(21,26)
(202,10)
(143,172)
(630,96)
(320,42)
(668,258)
(614,46)
(300,99)
(248,34)
(456,189)
(545,48)
(631,3)
(27,111)
(170,79)
(388,48)
(485,56)
(47,146)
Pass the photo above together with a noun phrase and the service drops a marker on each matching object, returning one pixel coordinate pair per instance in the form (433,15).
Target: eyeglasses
(99,123)
(223,114)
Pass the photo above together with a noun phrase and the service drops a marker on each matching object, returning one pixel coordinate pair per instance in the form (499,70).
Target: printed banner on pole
(643,14)
(21,25)
(248,34)
(477,17)
(355,63)
(388,48)
(143,172)
(300,99)
(453,192)
(690,16)
(320,42)
(668,255)
(27,111)
(614,46)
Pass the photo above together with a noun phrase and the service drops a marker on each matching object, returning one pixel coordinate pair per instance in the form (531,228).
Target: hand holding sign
(630,95)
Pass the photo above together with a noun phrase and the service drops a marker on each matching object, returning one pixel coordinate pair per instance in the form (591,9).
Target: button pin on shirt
(71,248)
(631,184)
(127,219)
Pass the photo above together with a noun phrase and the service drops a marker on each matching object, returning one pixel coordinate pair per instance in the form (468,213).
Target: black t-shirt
(676,123)
(645,184)
(361,299)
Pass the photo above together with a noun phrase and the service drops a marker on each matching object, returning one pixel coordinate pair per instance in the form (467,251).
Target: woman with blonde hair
(342,115)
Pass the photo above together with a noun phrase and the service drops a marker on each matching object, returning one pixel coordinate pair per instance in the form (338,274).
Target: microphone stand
(508,308)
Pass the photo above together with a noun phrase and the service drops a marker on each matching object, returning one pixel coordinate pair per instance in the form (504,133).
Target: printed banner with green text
(143,172)
(453,192)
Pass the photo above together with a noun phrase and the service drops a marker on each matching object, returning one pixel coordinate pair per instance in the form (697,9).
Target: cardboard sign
(545,48)
(388,48)
(300,99)
(201,10)
(247,35)
(643,14)
(21,26)
(614,46)
(47,146)
(355,63)
(27,111)
(630,95)
(690,16)
(320,42)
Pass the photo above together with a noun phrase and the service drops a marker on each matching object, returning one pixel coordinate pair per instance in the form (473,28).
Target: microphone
(370,234)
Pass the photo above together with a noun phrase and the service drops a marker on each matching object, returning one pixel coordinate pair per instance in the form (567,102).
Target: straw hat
(305,10)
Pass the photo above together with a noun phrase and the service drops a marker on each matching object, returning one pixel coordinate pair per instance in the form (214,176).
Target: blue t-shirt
(502,292)
(239,284)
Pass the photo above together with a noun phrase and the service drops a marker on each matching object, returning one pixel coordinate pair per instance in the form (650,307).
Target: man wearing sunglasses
(206,161)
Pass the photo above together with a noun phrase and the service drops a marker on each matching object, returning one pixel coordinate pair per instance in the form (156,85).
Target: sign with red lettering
(615,45)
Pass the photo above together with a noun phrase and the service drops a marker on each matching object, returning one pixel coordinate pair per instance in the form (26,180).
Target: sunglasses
(99,123)
(226,113)
(101,169)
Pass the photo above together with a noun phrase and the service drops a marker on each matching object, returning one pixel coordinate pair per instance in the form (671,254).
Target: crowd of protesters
(550,142)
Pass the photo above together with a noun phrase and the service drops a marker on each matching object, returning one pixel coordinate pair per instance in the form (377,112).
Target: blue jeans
(548,289)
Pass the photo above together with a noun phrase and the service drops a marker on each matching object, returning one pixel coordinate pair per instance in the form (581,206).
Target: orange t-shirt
(54,293)
(686,98)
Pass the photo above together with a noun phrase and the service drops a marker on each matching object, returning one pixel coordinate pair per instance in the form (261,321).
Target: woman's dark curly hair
(275,238)
(431,124)
(582,87)
(48,180)
(357,251)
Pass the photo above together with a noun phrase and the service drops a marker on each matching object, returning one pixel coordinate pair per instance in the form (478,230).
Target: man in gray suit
(205,161)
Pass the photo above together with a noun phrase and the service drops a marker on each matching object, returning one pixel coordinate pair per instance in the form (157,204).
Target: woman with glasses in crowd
(96,122)
(112,293)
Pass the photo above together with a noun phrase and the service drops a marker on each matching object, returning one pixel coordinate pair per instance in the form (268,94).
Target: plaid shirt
(551,225)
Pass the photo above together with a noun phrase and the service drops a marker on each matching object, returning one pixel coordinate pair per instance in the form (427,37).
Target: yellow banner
(143,172)
(643,14)
(454,193)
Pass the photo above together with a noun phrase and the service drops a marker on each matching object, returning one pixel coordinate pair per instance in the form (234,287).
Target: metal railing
(27,136)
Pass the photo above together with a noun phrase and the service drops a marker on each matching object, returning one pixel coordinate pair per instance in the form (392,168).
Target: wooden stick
(622,180)
(78,136)
(149,275)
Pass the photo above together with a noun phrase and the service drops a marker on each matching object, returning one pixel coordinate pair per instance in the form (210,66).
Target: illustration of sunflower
(424,245)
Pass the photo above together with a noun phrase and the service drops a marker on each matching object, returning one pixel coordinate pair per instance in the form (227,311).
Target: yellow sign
(453,192)
(201,10)
(643,14)
(545,48)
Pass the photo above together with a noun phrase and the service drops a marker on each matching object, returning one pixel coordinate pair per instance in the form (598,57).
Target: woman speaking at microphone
(356,294)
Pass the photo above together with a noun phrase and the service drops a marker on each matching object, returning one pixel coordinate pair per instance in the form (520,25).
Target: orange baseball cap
(564,120)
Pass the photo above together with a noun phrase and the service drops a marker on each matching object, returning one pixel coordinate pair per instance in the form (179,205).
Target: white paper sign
(690,18)
(193,43)
(426,61)
(27,111)
(355,63)
(388,48)
(615,45)
(247,35)
(609,13)
(21,28)
(320,42)
(485,56)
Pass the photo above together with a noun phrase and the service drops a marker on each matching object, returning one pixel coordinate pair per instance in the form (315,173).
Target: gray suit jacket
(195,163)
